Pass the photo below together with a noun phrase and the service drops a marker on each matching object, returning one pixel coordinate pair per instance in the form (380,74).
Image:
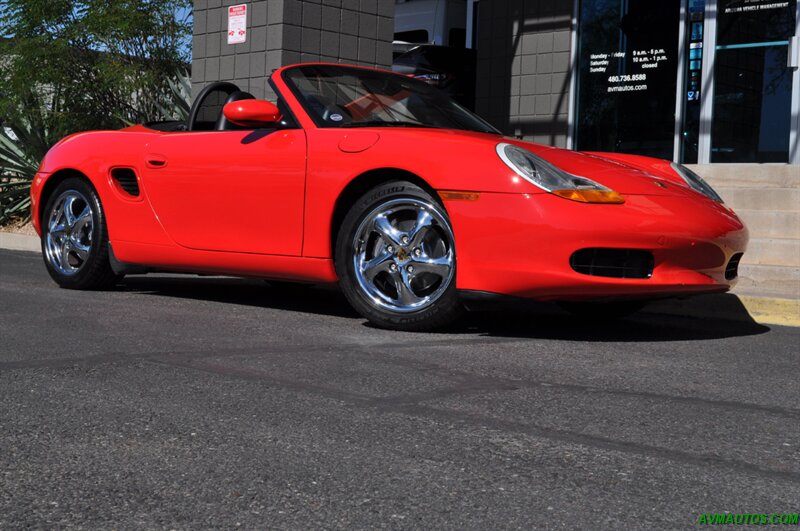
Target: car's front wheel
(75,237)
(396,259)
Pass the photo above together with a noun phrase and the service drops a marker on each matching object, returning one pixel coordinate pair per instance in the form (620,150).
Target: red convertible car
(381,183)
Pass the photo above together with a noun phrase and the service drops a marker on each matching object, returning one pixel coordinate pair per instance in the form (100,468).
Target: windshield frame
(285,75)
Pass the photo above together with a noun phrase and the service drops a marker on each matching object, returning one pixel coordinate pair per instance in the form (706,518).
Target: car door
(234,191)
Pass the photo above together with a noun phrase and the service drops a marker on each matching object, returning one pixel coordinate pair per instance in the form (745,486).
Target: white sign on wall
(237,24)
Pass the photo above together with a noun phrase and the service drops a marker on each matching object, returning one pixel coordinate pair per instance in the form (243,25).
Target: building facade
(281,32)
(695,81)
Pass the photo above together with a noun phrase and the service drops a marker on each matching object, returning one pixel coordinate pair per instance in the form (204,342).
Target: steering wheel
(222,86)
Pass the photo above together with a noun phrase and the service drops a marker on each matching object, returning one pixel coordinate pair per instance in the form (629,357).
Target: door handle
(155,161)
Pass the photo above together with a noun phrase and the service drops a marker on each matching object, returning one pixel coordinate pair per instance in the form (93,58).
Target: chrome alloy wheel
(404,255)
(69,233)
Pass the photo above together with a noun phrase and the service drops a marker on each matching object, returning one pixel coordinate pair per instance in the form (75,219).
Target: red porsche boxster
(381,183)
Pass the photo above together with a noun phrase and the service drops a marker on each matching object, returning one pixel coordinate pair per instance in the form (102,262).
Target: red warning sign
(237,24)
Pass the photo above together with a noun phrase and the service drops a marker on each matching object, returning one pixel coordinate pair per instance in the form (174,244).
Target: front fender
(92,155)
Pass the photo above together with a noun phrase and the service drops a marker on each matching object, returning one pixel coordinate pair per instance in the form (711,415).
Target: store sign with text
(628,63)
(635,64)
(749,6)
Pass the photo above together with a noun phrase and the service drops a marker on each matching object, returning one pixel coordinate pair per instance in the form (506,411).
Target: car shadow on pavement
(552,323)
(530,320)
(244,292)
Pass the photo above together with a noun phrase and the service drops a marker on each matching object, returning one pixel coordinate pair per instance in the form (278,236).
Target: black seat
(198,119)
(328,110)
(223,124)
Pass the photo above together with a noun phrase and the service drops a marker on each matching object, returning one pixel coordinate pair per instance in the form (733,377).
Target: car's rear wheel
(396,259)
(75,238)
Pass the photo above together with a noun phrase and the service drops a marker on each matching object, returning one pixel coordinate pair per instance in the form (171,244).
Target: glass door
(752,81)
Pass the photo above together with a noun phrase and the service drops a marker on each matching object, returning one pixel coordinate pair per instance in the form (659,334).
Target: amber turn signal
(591,196)
(448,195)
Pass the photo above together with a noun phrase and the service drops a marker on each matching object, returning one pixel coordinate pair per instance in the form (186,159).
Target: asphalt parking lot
(186,402)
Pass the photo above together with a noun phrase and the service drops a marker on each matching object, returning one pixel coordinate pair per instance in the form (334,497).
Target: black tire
(441,306)
(93,270)
(604,311)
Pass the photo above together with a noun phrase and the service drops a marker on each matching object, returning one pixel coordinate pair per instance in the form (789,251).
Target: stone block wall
(524,67)
(282,32)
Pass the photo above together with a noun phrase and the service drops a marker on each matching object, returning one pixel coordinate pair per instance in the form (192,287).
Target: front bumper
(520,245)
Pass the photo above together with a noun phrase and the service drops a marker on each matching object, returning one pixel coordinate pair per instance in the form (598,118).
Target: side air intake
(732,270)
(126,179)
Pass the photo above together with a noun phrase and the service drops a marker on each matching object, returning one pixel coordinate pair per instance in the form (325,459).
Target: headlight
(696,182)
(549,178)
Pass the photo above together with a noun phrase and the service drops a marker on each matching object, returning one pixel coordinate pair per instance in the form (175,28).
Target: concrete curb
(19,242)
(732,307)
(727,306)
(785,312)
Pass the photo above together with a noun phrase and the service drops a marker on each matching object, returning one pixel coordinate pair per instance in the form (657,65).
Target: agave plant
(22,146)
(178,100)
(15,178)
(172,102)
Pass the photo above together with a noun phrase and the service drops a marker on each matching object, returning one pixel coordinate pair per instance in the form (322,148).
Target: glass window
(753,85)
(748,21)
(752,105)
(627,77)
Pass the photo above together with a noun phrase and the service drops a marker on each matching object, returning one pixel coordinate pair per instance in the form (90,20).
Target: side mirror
(252,113)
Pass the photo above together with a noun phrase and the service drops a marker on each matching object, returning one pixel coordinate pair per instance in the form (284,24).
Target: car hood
(465,160)
(626,177)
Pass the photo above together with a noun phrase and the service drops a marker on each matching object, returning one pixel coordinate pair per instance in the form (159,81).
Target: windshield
(340,96)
